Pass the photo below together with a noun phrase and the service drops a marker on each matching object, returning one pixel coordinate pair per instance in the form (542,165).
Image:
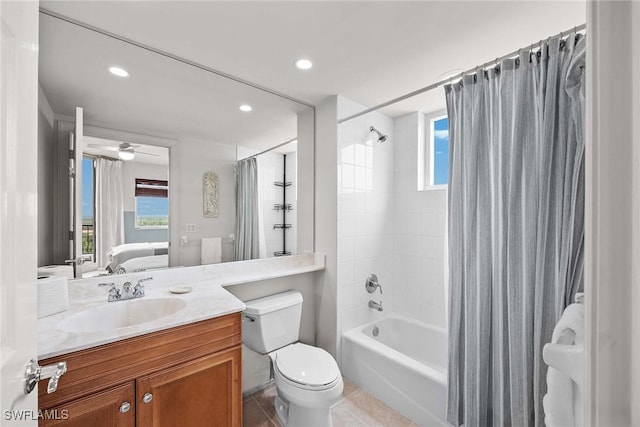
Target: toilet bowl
(307,378)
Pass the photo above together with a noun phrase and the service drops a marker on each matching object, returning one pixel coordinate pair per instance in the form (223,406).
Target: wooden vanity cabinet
(104,408)
(184,376)
(198,393)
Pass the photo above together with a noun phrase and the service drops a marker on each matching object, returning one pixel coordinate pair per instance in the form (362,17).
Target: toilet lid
(307,365)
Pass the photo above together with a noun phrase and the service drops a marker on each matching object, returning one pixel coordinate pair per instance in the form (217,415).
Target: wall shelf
(284,207)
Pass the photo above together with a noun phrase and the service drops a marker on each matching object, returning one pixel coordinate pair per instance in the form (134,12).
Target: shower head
(381,137)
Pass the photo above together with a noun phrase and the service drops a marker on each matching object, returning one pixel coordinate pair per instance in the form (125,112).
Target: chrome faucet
(375,305)
(128,291)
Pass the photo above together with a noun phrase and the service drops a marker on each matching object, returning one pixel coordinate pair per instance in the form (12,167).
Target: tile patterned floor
(356,409)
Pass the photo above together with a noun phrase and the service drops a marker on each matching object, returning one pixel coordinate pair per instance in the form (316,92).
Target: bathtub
(404,366)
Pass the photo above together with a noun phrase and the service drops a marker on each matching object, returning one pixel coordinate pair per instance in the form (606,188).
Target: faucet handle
(114,294)
(138,291)
(371,284)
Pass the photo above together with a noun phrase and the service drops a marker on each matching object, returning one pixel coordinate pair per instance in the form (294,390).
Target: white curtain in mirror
(247,244)
(109,208)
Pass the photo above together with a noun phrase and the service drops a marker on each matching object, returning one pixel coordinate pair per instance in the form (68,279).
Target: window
(88,204)
(436,151)
(152,203)
(440,151)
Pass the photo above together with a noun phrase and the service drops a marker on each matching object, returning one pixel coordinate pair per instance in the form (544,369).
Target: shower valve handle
(372,284)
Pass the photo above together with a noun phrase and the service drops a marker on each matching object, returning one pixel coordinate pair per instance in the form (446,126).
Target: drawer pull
(124,408)
(148,397)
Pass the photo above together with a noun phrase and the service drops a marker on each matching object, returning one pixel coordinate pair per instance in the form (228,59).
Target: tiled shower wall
(419,229)
(385,225)
(365,214)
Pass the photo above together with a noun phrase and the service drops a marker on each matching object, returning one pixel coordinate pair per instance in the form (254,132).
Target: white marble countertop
(207,300)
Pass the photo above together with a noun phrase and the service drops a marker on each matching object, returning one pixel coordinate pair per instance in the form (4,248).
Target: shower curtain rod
(270,149)
(457,76)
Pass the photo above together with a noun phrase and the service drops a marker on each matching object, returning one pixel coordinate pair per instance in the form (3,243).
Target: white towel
(211,250)
(563,401)
(570,327)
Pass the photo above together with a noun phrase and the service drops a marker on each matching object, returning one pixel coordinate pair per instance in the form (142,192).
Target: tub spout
(375,305)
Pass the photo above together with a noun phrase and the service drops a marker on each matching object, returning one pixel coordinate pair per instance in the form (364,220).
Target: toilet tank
(272,322)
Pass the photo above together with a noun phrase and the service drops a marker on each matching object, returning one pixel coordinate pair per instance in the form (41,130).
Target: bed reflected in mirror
(135,188)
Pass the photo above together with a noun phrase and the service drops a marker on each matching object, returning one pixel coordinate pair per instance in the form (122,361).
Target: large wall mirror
(170,165)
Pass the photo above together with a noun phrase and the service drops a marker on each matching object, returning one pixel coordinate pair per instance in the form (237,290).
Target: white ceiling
(160,97)
(368,51)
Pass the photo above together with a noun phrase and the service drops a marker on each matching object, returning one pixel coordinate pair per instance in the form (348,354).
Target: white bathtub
(404,366)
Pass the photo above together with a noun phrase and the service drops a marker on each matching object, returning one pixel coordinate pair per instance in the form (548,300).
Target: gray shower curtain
(247,216)
(516,228)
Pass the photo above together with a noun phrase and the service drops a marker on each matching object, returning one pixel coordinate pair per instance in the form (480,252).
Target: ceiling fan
(125,150)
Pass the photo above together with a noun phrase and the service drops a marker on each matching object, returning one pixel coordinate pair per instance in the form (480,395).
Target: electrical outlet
(191,228)
(184,240)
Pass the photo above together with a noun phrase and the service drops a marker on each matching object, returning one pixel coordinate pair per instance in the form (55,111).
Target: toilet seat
(306,367)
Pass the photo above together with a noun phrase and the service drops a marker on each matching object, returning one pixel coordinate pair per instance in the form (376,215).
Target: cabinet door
(109,408)
(205,392)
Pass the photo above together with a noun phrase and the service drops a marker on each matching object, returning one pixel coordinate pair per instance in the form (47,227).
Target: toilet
(307,378)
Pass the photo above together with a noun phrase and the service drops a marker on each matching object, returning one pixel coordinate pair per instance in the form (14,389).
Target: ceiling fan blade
(126,145)
(104,147)
(148,154)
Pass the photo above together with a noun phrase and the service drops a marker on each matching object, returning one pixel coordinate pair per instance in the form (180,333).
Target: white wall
(365,214)
(189,160)
(419,233)
(612,239)
(635,319)
(46,154)
(291,236)
(326,229)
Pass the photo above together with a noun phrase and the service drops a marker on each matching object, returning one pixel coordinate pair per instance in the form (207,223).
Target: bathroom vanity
(188,375)
(157,360)
(163,359)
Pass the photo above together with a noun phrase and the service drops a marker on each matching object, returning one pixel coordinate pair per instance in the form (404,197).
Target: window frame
(429,145)
(142,190)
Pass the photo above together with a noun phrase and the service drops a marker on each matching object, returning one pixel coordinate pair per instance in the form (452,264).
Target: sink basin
(121,314)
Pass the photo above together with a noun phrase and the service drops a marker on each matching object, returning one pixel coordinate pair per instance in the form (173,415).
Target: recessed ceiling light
(246,108)
(304,64)
(120,72)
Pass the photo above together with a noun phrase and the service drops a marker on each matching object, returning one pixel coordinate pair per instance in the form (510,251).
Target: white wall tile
(347,176)
(345,271)
(345,248)
(386,226)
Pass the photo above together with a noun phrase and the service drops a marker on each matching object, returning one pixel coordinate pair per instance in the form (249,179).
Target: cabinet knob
(125,407)
(148,397)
